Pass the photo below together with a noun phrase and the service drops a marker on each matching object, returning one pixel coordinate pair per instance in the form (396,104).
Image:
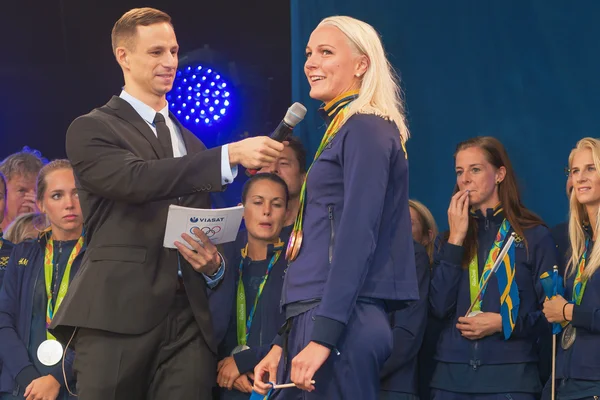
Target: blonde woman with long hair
(351,250)
(578,363)
(26,227)
(37,279)
(424,228)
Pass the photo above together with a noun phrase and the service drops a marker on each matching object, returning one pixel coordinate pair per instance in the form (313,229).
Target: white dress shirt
(147,113)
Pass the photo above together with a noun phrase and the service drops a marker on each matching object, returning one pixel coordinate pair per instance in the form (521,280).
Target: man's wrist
(213,272)
(232,149)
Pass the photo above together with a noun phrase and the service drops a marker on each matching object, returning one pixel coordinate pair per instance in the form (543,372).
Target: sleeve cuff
(582,318)
(278,341)
(245,360)
(27,375)
(327,331)
(213,281)
(58,375)
(228,173)
(452,254)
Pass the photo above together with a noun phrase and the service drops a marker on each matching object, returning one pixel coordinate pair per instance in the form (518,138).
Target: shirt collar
(144,110)
(495,214)
(271,249)
(331,109)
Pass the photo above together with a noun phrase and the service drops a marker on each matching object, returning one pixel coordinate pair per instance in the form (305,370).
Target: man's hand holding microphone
(258,152)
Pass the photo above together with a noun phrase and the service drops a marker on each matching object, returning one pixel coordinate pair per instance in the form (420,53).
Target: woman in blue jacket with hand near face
(491,353)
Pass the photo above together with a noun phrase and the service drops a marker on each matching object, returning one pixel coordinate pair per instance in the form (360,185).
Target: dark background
(57,63)
(525,71)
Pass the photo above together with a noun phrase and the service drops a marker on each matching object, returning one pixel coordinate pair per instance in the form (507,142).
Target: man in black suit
(137,313)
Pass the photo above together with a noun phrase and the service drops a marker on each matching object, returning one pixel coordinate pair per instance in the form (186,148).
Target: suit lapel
(124,110)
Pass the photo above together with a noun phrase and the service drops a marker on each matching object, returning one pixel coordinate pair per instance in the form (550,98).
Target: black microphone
(293,116)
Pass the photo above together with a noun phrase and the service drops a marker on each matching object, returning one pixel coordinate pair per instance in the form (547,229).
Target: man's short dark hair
(125,29)
(298,148)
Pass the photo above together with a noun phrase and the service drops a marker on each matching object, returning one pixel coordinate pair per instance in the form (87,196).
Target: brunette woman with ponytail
(492,351)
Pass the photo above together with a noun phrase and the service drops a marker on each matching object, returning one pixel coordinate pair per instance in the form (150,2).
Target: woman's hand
(458,217)
(553,310)
(307,363)
(228,373)
(480,326)
(266,371)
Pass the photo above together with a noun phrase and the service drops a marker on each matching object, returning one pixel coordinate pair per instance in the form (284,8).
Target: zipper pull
(487,224)
(330,208)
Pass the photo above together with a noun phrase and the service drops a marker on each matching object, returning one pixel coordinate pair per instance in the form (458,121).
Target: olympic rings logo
(208,231)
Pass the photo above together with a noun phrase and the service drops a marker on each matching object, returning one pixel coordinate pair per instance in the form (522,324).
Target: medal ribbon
(243,324)
(330,133)
(579,284)
(475,283)
(64,284)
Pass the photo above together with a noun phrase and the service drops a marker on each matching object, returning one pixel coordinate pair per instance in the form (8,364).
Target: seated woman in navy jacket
(36,281)
(493,351)
(252,286)
(351,247)
(578,360)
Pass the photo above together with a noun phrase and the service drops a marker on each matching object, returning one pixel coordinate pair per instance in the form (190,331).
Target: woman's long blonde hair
(380,92)
(430,229)
(17,231)
(578,217)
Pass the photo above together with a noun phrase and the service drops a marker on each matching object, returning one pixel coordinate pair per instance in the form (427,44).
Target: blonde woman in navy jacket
(352,244)
(578,360)
(484,357)
(40,272)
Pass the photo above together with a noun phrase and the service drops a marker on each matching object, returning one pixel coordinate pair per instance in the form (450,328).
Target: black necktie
(164,135)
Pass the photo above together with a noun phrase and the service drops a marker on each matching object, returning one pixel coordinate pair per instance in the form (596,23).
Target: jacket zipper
(332,232)
(17,387)
(55,277)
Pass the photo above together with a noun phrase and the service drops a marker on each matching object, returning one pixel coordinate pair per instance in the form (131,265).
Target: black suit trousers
(170,362)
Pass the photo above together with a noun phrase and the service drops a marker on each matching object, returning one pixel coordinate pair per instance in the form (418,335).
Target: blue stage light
(196,82)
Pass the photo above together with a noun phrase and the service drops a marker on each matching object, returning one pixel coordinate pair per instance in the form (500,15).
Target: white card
(221,225)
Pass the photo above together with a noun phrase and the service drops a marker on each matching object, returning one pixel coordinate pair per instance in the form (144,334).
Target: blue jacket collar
(331,109)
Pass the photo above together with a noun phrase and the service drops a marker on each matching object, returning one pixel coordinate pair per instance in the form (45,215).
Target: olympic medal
(296,247)
(568,337)
(239,349)
(50,352)
(290,246)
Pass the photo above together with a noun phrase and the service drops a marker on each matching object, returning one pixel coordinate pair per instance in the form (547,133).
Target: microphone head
(294,114)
